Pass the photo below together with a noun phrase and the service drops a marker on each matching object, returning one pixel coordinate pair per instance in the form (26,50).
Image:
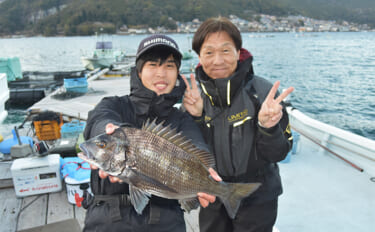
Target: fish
(156,160)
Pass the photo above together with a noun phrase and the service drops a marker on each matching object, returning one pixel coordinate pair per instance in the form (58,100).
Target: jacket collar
(221,91)
(147,103)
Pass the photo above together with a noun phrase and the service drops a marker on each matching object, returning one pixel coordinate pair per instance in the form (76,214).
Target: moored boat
(102,57)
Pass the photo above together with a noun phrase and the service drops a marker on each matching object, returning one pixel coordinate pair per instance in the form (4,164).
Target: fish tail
(237,191)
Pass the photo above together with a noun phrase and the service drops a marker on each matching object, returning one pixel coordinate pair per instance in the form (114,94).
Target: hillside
(84,17)
(358,11)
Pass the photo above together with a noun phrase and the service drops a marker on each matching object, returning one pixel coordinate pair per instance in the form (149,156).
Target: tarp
(12,67)
(75,168)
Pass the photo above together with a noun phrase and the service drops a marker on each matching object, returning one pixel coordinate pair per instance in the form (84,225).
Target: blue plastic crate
(72,129)
(77,85)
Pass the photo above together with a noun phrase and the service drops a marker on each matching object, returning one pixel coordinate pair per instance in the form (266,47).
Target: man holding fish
(155,88)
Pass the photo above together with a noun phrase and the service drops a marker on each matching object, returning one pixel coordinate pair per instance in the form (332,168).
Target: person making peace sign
(244,121)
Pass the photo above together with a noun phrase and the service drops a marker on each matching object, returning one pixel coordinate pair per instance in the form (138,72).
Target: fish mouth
(87,156)
(86,152)
(90,158)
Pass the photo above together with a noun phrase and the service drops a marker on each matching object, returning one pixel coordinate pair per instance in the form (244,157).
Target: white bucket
(73,186)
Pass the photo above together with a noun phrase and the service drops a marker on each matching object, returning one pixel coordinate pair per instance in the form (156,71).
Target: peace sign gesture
(193,101)
(271,110)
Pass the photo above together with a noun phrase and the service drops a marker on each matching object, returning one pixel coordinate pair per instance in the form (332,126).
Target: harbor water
(333,73)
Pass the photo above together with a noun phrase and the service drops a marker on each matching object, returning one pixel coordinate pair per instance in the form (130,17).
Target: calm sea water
(333,73)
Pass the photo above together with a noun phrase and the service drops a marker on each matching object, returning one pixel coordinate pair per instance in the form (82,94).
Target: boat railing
(357,150)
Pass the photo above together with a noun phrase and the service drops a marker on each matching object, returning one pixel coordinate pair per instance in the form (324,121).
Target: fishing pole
(329,150)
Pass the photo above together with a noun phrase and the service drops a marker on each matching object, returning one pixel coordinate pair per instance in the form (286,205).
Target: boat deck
(324,193)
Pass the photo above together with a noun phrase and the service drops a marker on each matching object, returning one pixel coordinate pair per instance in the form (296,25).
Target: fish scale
(160,166)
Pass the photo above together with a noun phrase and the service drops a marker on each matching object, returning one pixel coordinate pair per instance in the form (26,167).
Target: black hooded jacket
(133,110)
(244,151)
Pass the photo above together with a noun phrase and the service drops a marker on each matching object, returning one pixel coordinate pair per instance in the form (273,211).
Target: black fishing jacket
(244,151)
(133,110)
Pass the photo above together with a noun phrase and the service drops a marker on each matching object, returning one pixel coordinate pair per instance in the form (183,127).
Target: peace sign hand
(193,101)
(271,110)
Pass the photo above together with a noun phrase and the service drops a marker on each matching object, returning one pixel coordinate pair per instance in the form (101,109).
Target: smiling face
(218,55)
(160,78)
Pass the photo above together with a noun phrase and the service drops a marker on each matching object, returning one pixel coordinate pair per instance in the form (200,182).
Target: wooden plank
(34,212)
(70,225)
(10,207)
(5,170)
(6,183)
(59,208)
(80,214)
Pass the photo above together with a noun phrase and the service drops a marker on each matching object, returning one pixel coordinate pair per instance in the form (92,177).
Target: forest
(85,17)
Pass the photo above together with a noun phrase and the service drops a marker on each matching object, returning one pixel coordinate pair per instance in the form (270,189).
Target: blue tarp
(75,168)
(12,67)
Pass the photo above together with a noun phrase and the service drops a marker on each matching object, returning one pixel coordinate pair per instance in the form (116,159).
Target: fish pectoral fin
(138,198)
(189,204)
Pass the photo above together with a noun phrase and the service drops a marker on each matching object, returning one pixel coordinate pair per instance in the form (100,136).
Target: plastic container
(76,85)
(72,129)
(47,130)
(36,175)
(75,188)
(6,145)
(294,148)
(76,173)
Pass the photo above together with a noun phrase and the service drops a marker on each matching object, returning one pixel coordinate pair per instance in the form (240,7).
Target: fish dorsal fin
(179,140)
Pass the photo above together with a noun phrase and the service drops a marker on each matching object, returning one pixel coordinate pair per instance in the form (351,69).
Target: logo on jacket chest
(239,116)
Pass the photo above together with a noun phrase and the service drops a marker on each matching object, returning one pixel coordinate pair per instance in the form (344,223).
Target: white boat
(329,184)
(102,57)
(357,151)
(4,96)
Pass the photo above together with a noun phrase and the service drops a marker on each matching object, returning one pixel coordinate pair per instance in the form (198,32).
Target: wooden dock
(47,212)
(79,106)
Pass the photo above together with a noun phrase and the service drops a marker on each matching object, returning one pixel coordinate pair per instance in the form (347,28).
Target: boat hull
(94,63)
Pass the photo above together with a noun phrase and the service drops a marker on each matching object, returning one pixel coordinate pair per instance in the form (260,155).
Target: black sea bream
(157,160)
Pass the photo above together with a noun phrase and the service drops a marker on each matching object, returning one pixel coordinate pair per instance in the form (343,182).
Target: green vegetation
(85,17)
(358,11)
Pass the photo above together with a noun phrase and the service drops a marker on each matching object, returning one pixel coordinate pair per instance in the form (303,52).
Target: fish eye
(101,144)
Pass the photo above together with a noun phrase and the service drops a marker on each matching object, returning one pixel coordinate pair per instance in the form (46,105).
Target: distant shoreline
(127,34)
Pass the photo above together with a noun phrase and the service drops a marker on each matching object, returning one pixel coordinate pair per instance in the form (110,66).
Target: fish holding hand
(156,160)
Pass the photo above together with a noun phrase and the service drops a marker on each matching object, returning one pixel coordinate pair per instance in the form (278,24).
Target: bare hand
(204,198)
(193,101)
(271,110)
(109,129)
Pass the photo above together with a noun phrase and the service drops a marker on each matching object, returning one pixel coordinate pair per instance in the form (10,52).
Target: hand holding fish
(204,198)
(192,101)
(109,129)
(271,110)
